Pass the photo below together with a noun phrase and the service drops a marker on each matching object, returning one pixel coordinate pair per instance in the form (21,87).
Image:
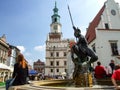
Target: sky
(26,23)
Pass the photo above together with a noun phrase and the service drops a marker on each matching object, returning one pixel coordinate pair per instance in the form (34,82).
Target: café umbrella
(33,72)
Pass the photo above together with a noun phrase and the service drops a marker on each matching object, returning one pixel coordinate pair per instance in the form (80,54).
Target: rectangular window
(57,70)
(114,47)
(57,54)
(65,70)
(51,54)
(51,63)
(51,70)
(57,63)
(106,26)
(65,63)
(55,20)
(65,54)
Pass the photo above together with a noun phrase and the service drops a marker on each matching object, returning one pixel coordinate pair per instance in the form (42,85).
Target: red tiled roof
(91,35)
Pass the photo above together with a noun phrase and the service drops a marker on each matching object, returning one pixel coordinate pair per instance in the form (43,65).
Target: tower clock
(55,27)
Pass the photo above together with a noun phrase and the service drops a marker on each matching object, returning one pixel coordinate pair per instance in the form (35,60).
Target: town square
(60,45)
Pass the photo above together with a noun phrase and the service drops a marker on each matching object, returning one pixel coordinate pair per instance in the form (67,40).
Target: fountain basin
(58,85)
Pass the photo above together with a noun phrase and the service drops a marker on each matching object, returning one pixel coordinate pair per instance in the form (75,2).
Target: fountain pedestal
(83,80)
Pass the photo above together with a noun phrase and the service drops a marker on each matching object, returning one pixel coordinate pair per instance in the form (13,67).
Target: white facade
(56,59)
(107,31)
(103,48)
(5,71)
(110,15)
(12,58)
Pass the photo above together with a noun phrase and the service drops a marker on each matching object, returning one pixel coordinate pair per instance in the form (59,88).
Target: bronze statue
(82,63)
(83,53)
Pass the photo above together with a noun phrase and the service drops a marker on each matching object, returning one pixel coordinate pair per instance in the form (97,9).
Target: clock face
(113,12)
(55,27)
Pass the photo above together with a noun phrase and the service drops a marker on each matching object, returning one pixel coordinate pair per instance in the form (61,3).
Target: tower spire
(55,16)
(55,9)
(55,4)
(55,25)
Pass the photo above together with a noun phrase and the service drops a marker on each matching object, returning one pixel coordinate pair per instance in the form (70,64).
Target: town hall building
(103,33)
(56,48)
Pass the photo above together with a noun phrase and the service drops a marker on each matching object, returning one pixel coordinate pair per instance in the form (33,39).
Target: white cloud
(101,2)
(39,48)
(118,1)
(27,54)
(30,61)
(83,29)
(22,48)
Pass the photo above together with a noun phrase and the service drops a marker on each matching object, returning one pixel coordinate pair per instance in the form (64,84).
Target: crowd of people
(101,71)
(20,73)
(112,71)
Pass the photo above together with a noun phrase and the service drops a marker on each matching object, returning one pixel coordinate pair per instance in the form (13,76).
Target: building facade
(12,55)
(8,54)
(103,33)
(4,47)
(4,69)
(39,66)
(70,64)
(56,48)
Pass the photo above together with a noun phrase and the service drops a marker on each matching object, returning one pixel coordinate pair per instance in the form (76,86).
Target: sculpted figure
(82,51)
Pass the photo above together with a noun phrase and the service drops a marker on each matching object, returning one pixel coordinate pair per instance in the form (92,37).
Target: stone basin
(58,85)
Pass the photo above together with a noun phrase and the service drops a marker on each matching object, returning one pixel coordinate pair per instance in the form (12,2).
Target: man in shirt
(100,71)
(116,76)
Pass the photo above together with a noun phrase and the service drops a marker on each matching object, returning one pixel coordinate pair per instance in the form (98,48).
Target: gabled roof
(90,34)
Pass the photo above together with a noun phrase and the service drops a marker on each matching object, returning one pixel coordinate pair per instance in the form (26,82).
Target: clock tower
(56,47)
(55,25)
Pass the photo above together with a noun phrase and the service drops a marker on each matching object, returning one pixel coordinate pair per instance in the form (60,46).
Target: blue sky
(26,23)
